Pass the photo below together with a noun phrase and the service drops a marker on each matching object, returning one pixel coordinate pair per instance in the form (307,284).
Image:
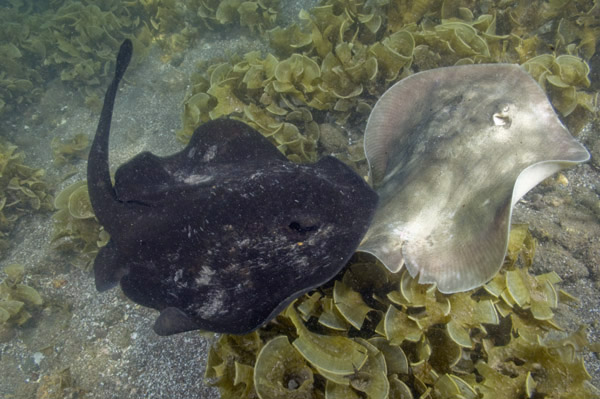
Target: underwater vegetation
(66,151)
(176,24)
(17,300)
(374,334)
(343,55)
(256,15)
(59,385)
(22,189)
(68,39)
(75,40)
(76,230)
(560,76)
(368,45)
(338,58)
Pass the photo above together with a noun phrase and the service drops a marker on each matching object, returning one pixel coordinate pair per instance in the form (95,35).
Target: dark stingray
(224,234)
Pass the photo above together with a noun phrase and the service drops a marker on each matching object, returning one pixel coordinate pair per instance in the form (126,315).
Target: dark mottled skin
(224,234)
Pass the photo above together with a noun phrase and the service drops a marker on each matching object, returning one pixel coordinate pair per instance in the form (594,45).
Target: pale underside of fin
(450,152)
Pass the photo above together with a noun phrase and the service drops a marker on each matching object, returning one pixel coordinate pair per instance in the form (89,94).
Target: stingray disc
(450,152)
(224,234)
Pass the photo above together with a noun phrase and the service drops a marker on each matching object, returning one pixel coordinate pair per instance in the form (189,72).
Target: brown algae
(411,340)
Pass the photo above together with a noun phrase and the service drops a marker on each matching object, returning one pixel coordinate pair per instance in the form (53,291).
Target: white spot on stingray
(197,179)
(177,278)
(213,306)
(178,275)
(210,153)
(204,276)
(255,175)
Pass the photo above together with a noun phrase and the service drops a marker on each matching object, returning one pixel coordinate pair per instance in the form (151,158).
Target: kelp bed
(368,333)
(22,190)
(373,334)
(329,68)
(16,298)
(333,64)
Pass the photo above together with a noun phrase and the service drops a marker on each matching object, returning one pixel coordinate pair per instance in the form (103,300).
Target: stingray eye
(502,118)
(301,228)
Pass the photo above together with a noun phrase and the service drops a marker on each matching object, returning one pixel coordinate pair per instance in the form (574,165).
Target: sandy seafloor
(107,342)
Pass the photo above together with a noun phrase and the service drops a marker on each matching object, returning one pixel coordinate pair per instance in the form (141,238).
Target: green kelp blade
(451,386)
(337,355)
(14,273)
(79,204)
(337,391)
(11,307)
(350,304)
(372,377)
(27,294)
(339,379)
(484,312)
(61,201)
(281,372)
(395,358)
(459,334)
(398,327)
(331,317)
(309,305)
(517,288)
(244,374)
(466,390)
(4,315)
(399,389)
(446,386)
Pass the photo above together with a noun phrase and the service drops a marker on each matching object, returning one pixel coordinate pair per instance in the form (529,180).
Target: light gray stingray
(450,152)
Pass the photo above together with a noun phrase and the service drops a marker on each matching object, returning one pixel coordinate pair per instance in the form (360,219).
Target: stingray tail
(102,193)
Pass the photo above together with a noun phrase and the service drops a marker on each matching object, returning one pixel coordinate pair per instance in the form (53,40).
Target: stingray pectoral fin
(536,173)
(143,179)
(465,259)
(173,321)
(107,269)
(386,249)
